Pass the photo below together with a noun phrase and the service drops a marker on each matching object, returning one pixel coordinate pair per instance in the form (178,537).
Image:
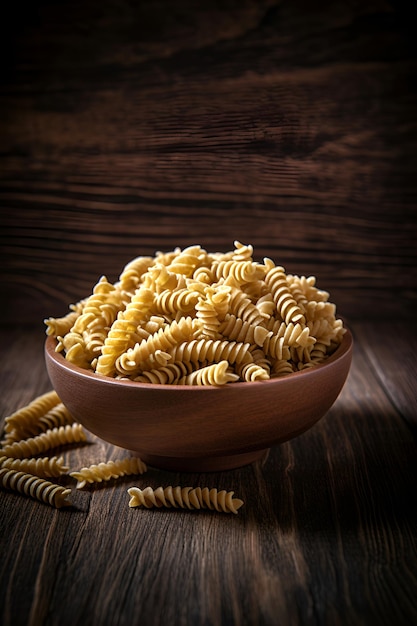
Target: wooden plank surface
(127,129)
(327,534)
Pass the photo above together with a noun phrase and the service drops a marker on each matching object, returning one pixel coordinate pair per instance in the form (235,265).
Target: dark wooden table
(131,127)
(327,534)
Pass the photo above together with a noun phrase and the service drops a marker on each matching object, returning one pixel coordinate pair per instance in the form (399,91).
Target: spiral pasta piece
(208,319)
(25,417)
(210,350)
(53,438)
(57,416)
(122,329)
(242,252)
(35,487)
(166,280)
(286,304)
(251,372)
(236,329)
(281,367)
(187,261)
(46,467)
(215,374)
(185,498)
(293,335)
(75,348)
(243,308)
(56,326)
(304,289)
(100,308)
(239,272)
(133,272)
(168,374)
(181,301)
(164,339)
(100,472)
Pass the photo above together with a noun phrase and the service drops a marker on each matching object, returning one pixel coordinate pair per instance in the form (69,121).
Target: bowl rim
(51,342)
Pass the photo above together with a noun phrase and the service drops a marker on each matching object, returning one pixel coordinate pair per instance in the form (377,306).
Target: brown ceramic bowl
(190,428)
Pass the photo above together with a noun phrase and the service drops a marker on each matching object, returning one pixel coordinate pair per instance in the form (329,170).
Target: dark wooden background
(130,127)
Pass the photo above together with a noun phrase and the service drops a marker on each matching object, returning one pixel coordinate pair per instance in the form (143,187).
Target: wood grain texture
(326,535)
(127,129)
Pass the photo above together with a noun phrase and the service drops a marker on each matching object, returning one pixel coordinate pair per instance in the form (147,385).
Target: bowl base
(202,464)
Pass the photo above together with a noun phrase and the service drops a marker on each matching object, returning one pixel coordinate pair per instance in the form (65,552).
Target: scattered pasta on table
(24,472)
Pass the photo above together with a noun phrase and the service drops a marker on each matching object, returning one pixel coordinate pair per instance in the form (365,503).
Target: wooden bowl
(190,428)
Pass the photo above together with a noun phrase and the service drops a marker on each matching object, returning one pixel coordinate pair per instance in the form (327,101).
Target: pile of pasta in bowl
(191,317)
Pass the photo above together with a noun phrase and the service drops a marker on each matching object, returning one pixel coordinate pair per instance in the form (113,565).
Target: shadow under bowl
(196,428)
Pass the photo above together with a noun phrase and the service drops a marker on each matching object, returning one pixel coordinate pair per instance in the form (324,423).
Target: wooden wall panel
(128,129)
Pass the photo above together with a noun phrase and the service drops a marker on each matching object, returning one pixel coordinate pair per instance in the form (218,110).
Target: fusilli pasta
(111,469)
(185,498)
(198,308)
(35,487)
(46,467)
(72,433)
(24,418)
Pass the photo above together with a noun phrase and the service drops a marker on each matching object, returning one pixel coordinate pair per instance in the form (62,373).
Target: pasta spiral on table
(107,470)
(35,487)
(24,418)
(45,467)
(132,328)
(185,498)
(72,433)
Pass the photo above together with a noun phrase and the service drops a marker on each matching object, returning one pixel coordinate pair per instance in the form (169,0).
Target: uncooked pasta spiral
(203,275)
(188,260)
(251,372)
(198,350)
(185,498)
(293,335)
(57,416)
(281,368)
(73,433)
(108,470)
(122,329)
(215,374)
(275,347)
(75,349)
(179,301)
(164,339)
(239,272)
(56,326)
(132,273)
(287,306)
(304,289)
(242,252)
(208,319)
(236,329)
(164,280)
(35,487)
(23,419)
(242,307)
(168,374)
(100,308)
(45,467)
